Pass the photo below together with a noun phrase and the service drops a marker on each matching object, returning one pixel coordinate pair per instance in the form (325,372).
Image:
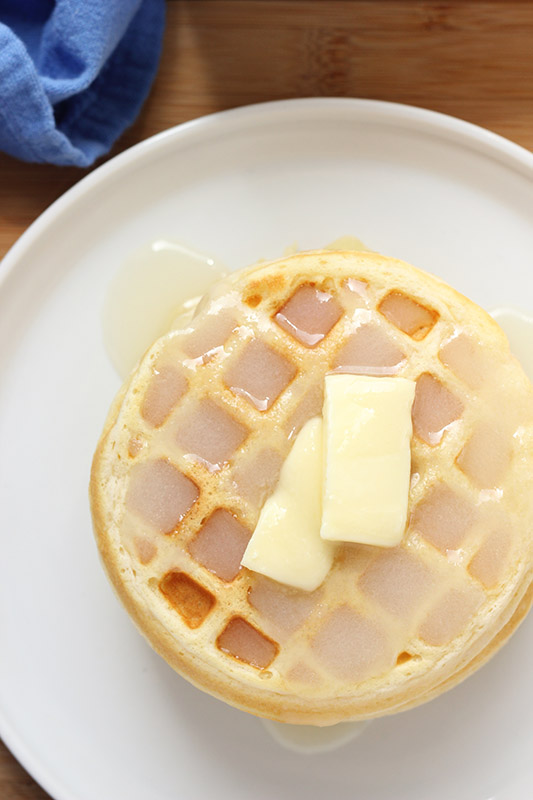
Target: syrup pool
(150,290)
(518,327)
(310,740)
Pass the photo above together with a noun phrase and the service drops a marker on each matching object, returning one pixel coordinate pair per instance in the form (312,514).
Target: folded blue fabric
(74,74)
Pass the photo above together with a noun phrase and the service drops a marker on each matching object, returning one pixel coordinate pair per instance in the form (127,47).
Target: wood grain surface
(470,59)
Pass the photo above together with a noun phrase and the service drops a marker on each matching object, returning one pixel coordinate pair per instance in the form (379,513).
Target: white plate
(85,704)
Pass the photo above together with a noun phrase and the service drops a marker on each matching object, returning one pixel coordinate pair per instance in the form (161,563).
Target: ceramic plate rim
(416,118)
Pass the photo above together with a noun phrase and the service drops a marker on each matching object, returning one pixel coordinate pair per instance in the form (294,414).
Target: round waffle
(194,443)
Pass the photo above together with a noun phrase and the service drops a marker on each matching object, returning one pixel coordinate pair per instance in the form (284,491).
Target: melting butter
(367,458)
(286,544)
(148,292)
(518,328)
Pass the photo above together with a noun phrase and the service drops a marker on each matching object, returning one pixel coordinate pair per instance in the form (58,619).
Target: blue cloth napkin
(74,74)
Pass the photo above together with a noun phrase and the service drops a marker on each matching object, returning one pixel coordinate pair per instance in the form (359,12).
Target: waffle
(193,446)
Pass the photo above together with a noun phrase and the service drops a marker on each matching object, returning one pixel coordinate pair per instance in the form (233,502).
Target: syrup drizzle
(149,291)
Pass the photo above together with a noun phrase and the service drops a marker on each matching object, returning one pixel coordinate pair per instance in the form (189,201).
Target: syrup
(151,289)
(310,740)
(518,328)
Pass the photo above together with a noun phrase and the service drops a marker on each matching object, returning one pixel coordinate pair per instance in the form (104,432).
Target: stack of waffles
(194,444)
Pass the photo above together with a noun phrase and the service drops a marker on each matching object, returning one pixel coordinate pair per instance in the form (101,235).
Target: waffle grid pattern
(446,573)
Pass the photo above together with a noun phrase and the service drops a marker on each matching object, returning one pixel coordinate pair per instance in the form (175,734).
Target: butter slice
(367,452)
(286,543)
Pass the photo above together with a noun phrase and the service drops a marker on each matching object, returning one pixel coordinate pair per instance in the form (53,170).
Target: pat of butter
(286,543)
(367,458)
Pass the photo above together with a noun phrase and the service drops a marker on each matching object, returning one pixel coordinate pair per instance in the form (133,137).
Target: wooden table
(468,58)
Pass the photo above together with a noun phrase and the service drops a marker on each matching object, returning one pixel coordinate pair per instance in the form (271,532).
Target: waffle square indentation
(245,643)
(408,315)
(166,387)
(191,600)
(260,374)
(398,581)
(220,544)
(444,518)
(467,359)
(210,336)
(485,457)
(434,409)
(160,494)
(449,616)
(210,434)
(309,315)
(369,351)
